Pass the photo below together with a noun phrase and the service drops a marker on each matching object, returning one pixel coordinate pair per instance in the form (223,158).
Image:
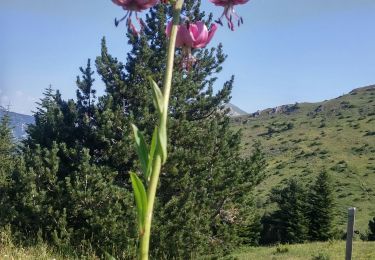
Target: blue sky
(287,51)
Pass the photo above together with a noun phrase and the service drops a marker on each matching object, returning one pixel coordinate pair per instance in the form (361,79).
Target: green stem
(151,192)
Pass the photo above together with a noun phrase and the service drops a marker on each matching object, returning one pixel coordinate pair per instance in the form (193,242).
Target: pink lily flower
(191,36)
(133,6)
(229,11)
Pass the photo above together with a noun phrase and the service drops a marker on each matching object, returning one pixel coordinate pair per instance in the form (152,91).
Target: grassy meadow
(337,136)
(334,250)
(30,253)
(9,251)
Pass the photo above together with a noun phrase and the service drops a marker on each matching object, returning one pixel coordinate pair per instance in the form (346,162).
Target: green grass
(38,252)
(10,250)
(336,135)
(326,251)
(333,250)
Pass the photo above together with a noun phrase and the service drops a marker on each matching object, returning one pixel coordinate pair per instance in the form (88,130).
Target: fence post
(350,233)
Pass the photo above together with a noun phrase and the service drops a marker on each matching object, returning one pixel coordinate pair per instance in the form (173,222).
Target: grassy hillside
(336,135)
(334,250)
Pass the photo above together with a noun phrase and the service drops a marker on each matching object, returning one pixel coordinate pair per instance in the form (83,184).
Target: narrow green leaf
(163,142)
(157,96)
(140,199)
(154,143)
(142,149)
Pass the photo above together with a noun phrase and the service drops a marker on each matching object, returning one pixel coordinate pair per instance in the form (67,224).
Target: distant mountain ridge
(290,108)
(18,122)
(235,110)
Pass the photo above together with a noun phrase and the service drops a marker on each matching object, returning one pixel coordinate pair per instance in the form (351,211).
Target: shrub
(321,256)
(281,249)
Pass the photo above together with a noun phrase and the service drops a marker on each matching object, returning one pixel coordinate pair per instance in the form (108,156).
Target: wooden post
(350,233)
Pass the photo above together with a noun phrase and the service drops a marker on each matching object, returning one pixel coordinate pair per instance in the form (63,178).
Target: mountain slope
(18,122)
(337,136)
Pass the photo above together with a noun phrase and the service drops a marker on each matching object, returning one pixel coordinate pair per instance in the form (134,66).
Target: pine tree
(321,203)
(8,160)
(7,145)
(290,217)
(76,200)
(84,210)
(206,183)
(86,92)
(85,106)
(52,121)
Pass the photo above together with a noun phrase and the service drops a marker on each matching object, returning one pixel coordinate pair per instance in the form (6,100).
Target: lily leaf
(142,149)
(154,143)
(140,199)
(157,96)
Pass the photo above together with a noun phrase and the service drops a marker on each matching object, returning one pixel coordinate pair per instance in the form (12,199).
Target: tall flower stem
(151,191)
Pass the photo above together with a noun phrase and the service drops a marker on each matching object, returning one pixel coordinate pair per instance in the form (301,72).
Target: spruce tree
(321,203)
(290,217)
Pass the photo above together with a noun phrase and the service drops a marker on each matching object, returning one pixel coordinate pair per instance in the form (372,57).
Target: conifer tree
(291,219)
(50,122)
(320,212)
(85,105)
(84,205)
(205,180)
(86,92)
(84,210)
(8,160)
(7,145)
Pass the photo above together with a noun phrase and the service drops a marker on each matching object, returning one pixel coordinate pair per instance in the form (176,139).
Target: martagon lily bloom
(133,6)
(229,12)
(191,36)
